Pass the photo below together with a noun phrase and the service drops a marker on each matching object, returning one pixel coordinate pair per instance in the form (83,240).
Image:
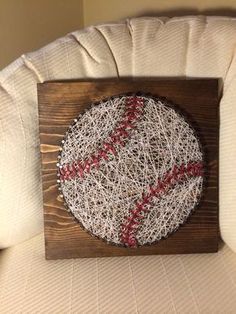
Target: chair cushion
(195,283)
(192,46)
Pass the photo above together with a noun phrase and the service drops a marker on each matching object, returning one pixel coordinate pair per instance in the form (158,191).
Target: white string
(103,199)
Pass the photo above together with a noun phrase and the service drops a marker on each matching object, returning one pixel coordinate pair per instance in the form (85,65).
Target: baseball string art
(130,169)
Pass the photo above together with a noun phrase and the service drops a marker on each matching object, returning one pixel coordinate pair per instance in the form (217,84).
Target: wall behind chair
(97,11)
(27,25)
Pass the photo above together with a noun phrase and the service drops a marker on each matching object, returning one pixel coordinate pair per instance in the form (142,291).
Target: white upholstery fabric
(196,283)
(187,46)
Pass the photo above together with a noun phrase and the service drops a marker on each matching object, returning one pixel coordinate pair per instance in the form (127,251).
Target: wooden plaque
(61,101)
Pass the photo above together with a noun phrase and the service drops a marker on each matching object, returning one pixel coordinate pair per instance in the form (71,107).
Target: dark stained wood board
(61,101)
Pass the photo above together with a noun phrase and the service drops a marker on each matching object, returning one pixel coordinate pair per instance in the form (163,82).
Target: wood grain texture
(61,101)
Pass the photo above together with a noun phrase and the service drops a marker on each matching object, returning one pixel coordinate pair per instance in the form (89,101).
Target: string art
(130,169)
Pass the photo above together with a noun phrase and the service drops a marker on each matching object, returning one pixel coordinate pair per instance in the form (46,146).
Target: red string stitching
(129,228)
(121,132)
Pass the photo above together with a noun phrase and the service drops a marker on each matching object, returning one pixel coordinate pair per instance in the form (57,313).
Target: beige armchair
(191,46)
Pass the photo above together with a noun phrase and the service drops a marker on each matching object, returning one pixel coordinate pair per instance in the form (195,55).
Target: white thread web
(103,199)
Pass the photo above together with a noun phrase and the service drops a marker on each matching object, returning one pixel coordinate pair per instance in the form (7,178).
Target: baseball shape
(130,169)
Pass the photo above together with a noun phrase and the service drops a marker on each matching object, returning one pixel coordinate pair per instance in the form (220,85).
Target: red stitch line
(119,134)
(129,228)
